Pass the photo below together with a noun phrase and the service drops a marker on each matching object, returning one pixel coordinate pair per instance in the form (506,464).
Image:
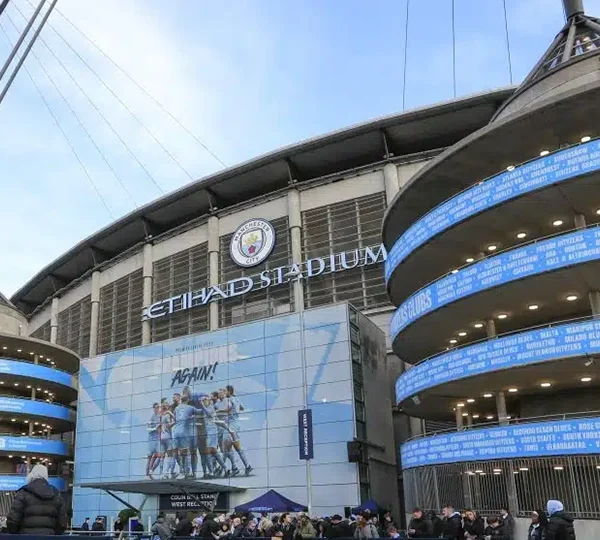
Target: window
(337,228)
(185,271)
(120,321)
(273,300)
(43,332)
(74,326)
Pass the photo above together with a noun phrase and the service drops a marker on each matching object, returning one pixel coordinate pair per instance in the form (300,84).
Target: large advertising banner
(32,444)
(525,348)
(13,367)
(538,174)
(36,408)
(222,408)
(536,258)
(559,438)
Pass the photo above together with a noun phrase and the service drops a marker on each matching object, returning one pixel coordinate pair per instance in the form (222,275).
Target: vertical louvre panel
(43,332)
(120,325)
(340,227)
(74,326)
(185,271)
(264,302)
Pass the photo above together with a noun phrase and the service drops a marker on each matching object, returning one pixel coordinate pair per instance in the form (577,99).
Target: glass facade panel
(43,332)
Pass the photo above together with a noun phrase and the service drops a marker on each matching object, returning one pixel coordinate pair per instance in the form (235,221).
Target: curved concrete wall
(12,322)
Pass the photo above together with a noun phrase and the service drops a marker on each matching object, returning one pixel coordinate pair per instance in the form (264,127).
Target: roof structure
(417,131)
(6,302)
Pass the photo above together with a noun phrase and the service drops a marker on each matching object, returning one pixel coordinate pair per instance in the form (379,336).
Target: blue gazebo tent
(369,505)
(271,502)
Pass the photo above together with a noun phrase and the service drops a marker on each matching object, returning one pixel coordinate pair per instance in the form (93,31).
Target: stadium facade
(38,387)
(155,300)
(493,254)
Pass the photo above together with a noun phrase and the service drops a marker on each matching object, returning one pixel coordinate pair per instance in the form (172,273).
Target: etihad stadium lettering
(337,262)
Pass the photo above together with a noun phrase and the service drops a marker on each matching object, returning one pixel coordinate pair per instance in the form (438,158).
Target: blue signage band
(32,445)
(557,252)
(524,348)
(33,371)
(36,408)
(540,439)
(527,178)
(14,482)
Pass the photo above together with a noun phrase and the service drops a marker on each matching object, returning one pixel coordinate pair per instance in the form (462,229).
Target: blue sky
(245,76)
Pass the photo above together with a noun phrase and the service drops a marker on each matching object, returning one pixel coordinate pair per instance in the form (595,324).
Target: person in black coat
(452,523)
(85,526)
(419,526)
(436,524)
(98,525)
(473,525)
(184,525)
(338,528)
(538,527)
(38,507)
(560,524)
(495,530)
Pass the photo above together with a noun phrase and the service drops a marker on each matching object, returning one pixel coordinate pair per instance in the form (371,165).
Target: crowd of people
(552,524)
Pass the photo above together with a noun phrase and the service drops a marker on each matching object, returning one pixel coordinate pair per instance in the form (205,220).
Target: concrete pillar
(579,221)
(95,315)
(490,328)
(594,297)
(213,268)
(54,320)
(148,275)
(501,408)
(392,184)
(295,224)
(469,421)
(459,419)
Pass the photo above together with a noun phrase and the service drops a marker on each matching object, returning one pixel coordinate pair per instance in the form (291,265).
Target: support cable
(106,121)
(510,72)
(58,124)
(453,48)
(3,5)
(123,104)
(85,130)
(162,108)
(405,58)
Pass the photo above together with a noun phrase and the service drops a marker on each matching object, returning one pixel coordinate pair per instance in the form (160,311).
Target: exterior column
(54,320)
(213,268)
(469,421)
(148,275)
(416,426)
(390,179)
(95,315)
(579,221)
(295,224)
(490,328)
(594,297)
(501,408)
(459,419)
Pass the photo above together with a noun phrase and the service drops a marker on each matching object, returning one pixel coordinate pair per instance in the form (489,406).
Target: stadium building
(493,264)
(38,388)
(222,283)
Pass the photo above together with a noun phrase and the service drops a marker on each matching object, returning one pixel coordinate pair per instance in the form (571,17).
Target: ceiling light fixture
(470,260)
(510,168)
(586,138)
(459,405)
(544,153)
(453,341)
(493,247)
(478,325)
(523,468)
(455,271)
(558,467)
(470,400)
(475,416)
(497,470)
(586,379)
(465,414)
(462,334)
(513,390)
(502,316)
(545,385)
(487,395)
(557,222)
(533,307)
(489,417)
(521,235)
(572,298)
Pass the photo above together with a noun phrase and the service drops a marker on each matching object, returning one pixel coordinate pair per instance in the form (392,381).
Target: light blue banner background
(36,408)
(32,445)
(43,373)
(263,361)
(12,483)
(534,346)
(559,438)
(535,258)
(537,174)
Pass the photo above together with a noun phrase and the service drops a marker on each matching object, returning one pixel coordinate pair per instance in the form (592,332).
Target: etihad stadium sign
(338,262)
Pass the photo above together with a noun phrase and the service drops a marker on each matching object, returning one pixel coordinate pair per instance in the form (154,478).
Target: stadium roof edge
(349,147)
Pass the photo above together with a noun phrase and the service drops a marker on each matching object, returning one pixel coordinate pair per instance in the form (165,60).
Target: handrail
(505,334)
(501,423)
(495,254)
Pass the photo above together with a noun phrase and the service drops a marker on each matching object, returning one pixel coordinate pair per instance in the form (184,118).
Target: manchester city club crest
(252,242)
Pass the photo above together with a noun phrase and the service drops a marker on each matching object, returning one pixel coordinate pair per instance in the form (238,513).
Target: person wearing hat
(38,507)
